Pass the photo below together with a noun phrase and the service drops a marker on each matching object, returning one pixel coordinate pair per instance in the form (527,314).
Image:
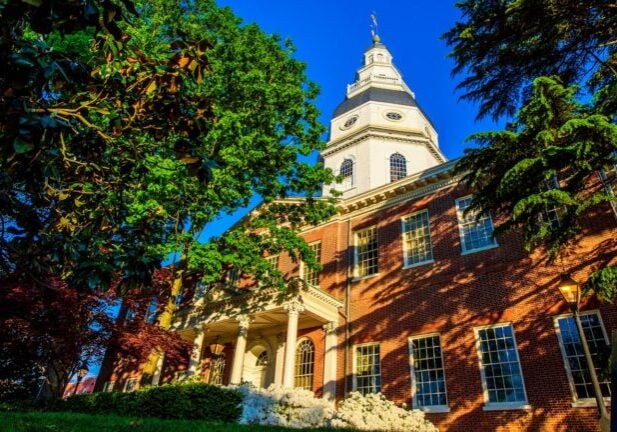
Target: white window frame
(126,385)
(355,364)
(576,402)
(348,182)
(356,266)
(461,221)
(499,406)
(108,387)
(430,408)
(297,365)
(304,270)
(406,250)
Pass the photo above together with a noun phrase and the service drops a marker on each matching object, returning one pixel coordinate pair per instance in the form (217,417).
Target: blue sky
(331,36)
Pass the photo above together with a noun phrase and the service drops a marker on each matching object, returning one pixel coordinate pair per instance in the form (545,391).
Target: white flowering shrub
(374,412)
(279,406)
(299,408)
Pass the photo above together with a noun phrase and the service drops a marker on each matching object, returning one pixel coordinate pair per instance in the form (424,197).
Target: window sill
(361,278)
(589,403)
(434,409)
(506,407)
(418,264)
(479,249)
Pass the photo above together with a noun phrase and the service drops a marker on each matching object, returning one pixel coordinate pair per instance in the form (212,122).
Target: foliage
(502,46)
(299,408)
(172,401)
(74,422)
(541,173)
(49,330)
(512,171)
(113,159)
(376,413)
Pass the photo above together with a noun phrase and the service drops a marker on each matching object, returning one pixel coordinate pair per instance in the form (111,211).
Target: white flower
(299,408)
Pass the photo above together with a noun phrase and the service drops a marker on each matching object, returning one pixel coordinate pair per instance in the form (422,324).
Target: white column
(239,350)
(280,358)
(195,360)
(293,311)
(329,371)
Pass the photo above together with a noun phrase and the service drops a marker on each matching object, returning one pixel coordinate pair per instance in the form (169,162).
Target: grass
(73,422)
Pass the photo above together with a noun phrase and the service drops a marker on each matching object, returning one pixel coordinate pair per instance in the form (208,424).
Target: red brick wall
(453,295)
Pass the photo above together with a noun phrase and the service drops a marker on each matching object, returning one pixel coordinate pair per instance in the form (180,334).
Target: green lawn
(71,422)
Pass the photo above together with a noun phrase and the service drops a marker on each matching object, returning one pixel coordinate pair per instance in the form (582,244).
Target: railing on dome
(372,78)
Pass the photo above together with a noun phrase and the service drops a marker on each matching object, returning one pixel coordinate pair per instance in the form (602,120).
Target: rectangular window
(574,357)
(500,367)
(476,232)
(367,369)
(311,276)
(366,252)
(552,213)
(427,371)
(609,180)
(273,260)
(109,386)
(130,385)
(217,369)
(233,276)
(152,311)
(417,239)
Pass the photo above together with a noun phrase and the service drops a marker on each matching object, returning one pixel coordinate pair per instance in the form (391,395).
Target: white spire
(378,71)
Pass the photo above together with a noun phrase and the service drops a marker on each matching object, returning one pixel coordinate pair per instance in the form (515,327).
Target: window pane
(366,252)
(398,167)
(476,232)
(575,357)
(305,364)
(417,238)
(368,370)
(312,276)
(346,171)
(428,373)
(502,370)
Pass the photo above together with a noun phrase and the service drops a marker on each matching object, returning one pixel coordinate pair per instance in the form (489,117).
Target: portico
(259,330)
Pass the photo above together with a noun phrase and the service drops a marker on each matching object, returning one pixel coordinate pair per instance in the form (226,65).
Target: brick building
(415,299)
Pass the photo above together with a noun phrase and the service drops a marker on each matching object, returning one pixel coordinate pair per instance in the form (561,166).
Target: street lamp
(81,373)
(570,291)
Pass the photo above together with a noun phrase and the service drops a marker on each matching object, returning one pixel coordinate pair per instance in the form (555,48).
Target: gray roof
(397,97)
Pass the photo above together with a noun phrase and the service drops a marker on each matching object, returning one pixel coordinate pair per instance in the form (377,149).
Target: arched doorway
(257,366)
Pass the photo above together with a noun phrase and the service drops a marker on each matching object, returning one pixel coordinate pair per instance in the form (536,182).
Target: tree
(541,173)
(130,127)
(50,331)
(116,157)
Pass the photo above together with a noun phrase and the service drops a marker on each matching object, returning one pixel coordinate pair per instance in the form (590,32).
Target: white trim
(495,406)
(430,408)
(505,406)
(354,375)
(430,242)
(472,251)
(576,402)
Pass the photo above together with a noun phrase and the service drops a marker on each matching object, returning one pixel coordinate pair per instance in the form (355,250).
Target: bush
(172,401)
(298,408)
(374,412)
(279,406)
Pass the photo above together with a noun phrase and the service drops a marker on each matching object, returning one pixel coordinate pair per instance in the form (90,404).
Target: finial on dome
(374,33)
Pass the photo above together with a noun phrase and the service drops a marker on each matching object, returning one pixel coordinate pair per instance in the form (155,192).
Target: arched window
(398,167)
(262,359)
(346,172)
(305,364)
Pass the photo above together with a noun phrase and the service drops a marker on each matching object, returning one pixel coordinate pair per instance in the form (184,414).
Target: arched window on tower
(398,167)
(305,365)
(346,172)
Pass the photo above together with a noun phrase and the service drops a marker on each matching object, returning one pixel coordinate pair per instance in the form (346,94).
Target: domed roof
(375,94)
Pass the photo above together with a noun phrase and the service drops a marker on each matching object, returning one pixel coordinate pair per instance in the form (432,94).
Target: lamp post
(83,371)
(570,291)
